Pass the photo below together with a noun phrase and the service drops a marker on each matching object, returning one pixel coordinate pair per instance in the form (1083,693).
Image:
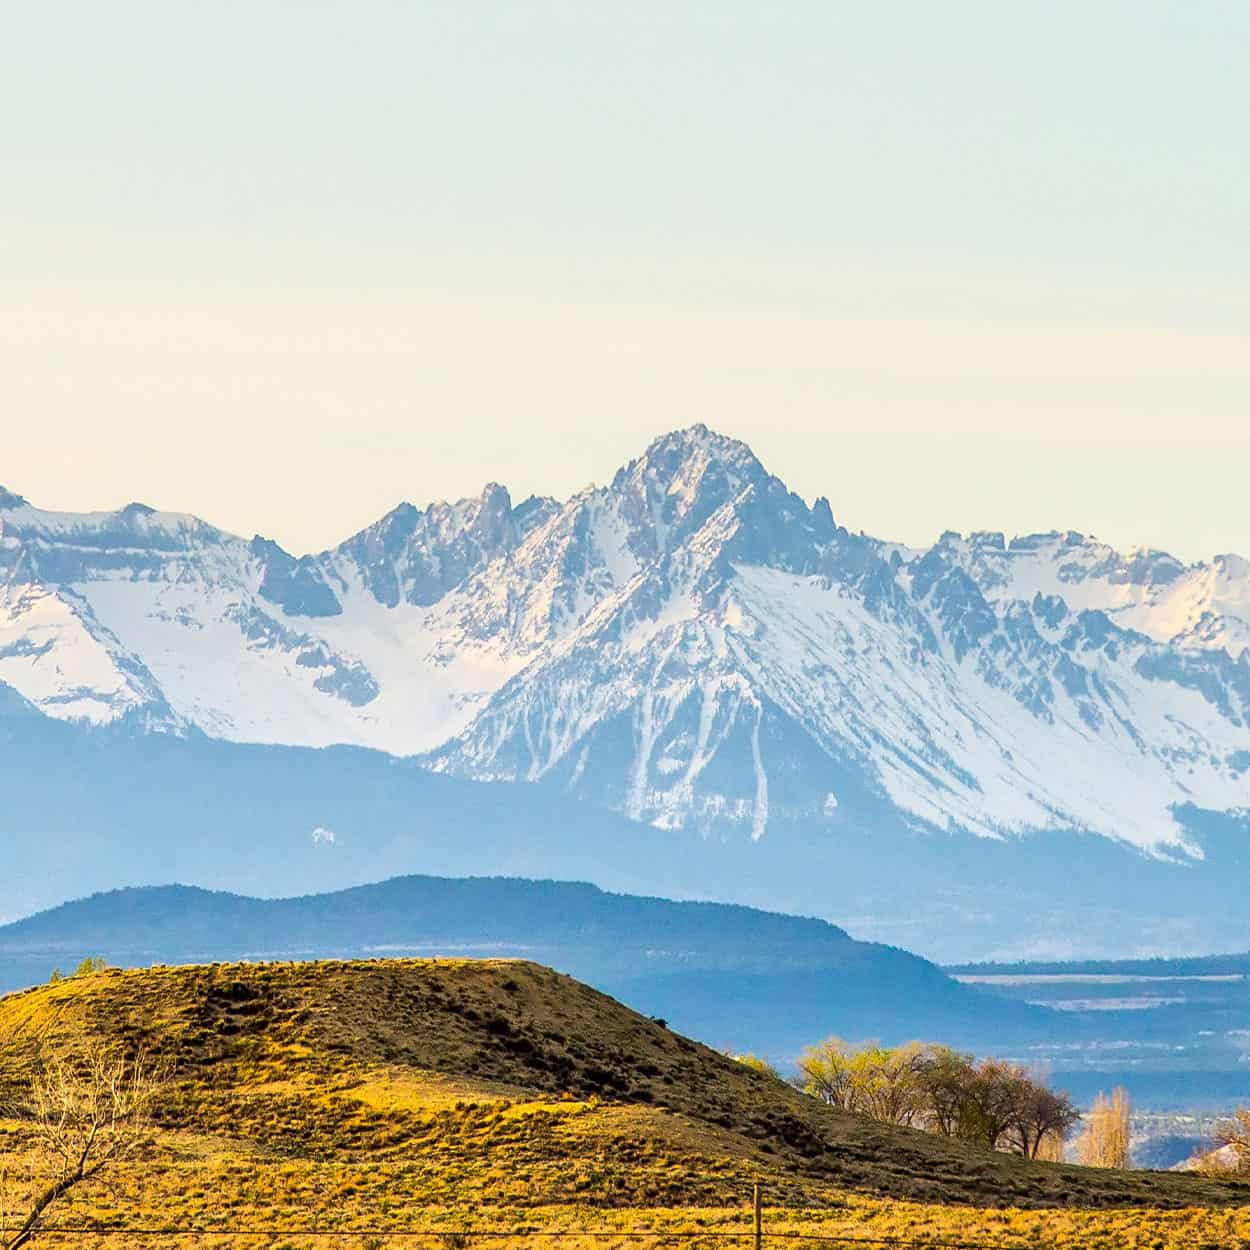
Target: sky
(962,266)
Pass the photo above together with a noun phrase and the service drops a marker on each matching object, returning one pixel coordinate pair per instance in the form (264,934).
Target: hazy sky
(959,265)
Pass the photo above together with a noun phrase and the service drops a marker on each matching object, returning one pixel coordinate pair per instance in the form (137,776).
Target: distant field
(1175,1033)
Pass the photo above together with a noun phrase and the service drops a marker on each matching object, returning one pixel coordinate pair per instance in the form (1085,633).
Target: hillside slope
(488,1082)
(731,975)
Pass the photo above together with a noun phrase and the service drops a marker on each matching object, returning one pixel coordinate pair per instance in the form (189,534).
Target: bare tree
(86,1114)
(1039,1117)
(1233,1138)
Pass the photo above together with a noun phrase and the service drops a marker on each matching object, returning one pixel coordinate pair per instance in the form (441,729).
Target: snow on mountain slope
(976,750)
(55,652)
(241,640)
(664,714)
(1198,607)
(691,644)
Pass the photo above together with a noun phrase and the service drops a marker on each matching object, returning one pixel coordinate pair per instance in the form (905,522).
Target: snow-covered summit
(691,643)
(679,469)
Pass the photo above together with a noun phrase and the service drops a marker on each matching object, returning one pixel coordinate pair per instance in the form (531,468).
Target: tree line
(990,1102)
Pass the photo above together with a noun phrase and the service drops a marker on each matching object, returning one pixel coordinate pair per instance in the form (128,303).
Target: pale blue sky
(966,265)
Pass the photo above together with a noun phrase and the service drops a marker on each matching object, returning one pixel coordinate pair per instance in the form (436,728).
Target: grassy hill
(383,1094)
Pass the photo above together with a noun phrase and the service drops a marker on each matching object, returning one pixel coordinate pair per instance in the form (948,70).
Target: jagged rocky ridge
(691,645)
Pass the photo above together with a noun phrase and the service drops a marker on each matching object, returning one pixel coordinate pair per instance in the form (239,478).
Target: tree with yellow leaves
(1105,1142)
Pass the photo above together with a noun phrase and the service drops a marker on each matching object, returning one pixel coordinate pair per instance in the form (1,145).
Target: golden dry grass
(497,1094)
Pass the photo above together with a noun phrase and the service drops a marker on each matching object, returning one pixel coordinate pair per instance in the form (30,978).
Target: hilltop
(369,1087)
(729,974)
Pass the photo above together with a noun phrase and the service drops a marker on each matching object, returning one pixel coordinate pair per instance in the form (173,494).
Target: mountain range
(910,737)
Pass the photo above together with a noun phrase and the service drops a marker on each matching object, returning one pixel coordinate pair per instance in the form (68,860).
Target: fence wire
(466,1237)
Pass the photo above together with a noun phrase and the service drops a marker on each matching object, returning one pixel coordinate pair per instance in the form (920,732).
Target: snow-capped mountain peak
(692,644)
(679,481)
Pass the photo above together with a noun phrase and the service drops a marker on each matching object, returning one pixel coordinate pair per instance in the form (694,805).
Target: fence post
(759,1219)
